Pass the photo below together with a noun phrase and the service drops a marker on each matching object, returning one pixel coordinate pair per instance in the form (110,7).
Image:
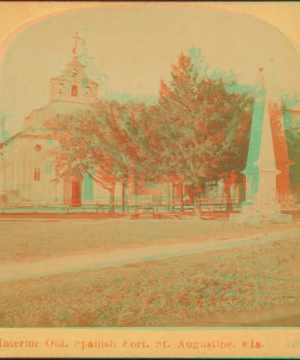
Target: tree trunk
(199,205)
(135,191)
(169,197)
(227,188)
(181,196)
(112,200)
(173,198)
(124,197)
(242,192)
(197,201)
(196,209)
(154,207)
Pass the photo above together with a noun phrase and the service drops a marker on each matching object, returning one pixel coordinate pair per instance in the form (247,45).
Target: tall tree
(202,125)
(79,151)
(103,142)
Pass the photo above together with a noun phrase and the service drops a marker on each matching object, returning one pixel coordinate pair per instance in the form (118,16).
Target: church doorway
(67,192)
(76,192)
(72,192)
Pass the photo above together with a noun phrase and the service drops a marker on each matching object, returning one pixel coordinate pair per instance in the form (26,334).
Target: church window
(74,90)
(49,140)
(37,174)
(84,83)
(38,147)
(75,72)
(49,167)
(60,88)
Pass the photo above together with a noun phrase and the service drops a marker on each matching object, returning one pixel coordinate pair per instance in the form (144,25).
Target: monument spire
(251,170)
(266,157)
(265,201)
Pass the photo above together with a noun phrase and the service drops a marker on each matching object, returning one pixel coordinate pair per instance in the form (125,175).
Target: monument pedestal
(288,203)
(265,206)
(251,216)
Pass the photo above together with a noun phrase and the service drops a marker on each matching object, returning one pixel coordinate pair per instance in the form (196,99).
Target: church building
(27,166)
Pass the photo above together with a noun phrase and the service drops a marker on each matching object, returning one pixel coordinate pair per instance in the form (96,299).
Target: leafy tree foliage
(108,142)
(204,128)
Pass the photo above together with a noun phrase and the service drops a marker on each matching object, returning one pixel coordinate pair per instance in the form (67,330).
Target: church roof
(35,123)
(75,63)
(38,118)
(74,73)
(7,141)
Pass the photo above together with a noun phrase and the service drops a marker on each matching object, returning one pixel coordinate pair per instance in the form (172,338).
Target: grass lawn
(27,239)
(155,293)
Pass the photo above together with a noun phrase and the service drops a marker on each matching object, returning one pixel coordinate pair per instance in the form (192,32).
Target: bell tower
(73,85)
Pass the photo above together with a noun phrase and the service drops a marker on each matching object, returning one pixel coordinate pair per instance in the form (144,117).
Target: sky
(136,47)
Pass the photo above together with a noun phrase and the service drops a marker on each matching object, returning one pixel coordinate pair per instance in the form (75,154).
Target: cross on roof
(76,37)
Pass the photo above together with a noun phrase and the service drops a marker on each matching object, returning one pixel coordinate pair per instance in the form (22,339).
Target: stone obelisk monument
(265,200)
(262,195)
(284,196)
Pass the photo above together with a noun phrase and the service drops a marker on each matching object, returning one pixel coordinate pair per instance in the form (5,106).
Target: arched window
(75,72)
(84,82)
(88,91)
(74,90)
(37,174)
(60,88)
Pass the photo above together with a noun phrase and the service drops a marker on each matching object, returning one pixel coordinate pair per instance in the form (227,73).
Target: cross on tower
(76,37)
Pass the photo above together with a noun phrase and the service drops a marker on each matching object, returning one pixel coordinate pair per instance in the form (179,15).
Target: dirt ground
(209,274)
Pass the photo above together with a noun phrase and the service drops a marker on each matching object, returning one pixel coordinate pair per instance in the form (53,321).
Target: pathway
(104,259)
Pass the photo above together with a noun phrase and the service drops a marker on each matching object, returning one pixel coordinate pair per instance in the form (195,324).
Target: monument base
(251,214)
(259,218)
(286,206)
